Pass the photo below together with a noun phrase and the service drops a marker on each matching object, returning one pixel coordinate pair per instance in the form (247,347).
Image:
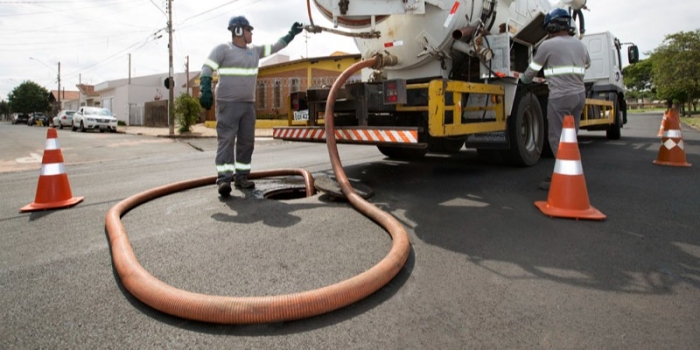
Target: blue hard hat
(557,15)
(238,22)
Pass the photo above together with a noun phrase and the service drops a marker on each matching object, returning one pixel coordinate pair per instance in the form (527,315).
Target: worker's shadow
(248,207)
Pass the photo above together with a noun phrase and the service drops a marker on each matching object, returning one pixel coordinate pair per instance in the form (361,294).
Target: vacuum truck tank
(453,79)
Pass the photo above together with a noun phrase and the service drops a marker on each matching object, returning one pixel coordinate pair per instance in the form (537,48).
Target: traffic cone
(53,190)
(568,196)
(663,125)
(672,150)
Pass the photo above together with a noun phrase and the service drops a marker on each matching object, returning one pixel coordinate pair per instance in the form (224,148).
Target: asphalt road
(487,269)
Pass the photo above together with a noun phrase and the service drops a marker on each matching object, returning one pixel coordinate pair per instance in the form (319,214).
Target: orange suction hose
(266,309)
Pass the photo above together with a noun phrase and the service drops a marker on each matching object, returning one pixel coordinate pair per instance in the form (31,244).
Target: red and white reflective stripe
(355,135)
(392,136)
(393,43)
(52,169)
(568,167)
(451,16)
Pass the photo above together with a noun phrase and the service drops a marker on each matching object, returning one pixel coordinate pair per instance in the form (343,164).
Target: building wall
(277,82)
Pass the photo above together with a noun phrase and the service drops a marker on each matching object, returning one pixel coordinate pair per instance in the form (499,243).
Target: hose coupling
(384,59)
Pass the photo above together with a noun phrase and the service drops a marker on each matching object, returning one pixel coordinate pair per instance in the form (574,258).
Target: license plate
(301,115)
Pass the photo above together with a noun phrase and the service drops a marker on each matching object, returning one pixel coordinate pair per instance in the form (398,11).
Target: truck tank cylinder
(420,33)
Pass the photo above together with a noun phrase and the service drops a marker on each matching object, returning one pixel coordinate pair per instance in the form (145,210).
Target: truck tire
(525,131)
(403,153)
(613,132)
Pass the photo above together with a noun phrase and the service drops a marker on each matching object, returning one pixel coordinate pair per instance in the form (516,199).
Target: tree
(676,68)
(4,108)
(29,97)
(638,76)
(187,110)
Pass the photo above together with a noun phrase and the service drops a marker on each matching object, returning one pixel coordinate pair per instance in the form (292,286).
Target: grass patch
(693,122)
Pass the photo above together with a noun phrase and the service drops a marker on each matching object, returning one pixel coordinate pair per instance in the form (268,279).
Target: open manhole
(285,193)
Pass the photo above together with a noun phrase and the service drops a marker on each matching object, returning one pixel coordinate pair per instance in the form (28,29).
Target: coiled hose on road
(266,309)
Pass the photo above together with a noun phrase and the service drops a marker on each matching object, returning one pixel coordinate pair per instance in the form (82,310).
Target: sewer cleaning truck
(449,78)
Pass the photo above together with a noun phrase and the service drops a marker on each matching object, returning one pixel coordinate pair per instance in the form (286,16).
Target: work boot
(224,189)
(243,182)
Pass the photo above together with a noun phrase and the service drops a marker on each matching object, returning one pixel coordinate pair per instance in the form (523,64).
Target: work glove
(296,29)
(206,99)
(524,79)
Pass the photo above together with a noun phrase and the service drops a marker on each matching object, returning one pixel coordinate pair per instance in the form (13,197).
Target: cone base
(55,205)
(661,162)
(590,213)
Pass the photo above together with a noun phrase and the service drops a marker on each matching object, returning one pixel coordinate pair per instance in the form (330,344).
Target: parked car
(94,118)
(20,118)
(38,118)
(63,118)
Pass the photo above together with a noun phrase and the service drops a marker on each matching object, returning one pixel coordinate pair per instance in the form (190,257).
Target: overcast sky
(95,40)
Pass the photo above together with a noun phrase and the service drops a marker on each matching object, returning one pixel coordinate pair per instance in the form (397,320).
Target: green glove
(206,99)
(296,29)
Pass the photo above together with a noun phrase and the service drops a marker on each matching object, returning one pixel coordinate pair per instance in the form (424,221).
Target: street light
(58,92)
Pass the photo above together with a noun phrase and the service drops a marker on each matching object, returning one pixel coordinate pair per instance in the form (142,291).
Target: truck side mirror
(633,54)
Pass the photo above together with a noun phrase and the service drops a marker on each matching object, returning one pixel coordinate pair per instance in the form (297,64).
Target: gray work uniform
(564,60)
(237,68)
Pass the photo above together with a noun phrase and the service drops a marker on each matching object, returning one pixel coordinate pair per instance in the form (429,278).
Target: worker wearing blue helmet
(237,65)
(564,60)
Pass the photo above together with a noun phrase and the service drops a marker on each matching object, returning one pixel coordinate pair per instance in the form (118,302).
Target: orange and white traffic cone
(663,125)
(672,150)
(568,195)
(53,190)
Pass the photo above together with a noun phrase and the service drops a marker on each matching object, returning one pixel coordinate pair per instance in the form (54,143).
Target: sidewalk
(198,131)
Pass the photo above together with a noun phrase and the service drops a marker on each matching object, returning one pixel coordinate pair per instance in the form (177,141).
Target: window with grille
(277,94)
(260,96)
(295,85)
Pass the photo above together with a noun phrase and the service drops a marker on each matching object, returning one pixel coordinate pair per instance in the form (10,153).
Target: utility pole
(187,73)
(171,82)
(60,107)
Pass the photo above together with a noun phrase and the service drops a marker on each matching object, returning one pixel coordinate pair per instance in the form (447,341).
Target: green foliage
(638,76)
(676,67)
(29,97)
(187,110)
(4,108)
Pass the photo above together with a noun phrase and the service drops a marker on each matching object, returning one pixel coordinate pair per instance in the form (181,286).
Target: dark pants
(557,109)
(235,126)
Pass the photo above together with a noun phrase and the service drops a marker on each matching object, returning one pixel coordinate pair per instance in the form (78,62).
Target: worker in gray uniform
(564,60)
(237,65)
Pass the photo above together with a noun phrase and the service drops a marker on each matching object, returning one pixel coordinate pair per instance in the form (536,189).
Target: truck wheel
(613,132)
(403,152)
(525,131)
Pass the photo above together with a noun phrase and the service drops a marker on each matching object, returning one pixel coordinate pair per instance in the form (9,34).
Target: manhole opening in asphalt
(285,193)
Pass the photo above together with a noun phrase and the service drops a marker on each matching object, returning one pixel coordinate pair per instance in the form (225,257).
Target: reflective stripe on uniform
(213,65)
(268,50)
(551,72)
(534,66)
(242,166)
(222,168)
(238,71)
